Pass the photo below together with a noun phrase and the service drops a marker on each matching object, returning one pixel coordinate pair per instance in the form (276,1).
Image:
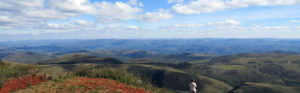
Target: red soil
(95,83)
(87,84)
(20,83)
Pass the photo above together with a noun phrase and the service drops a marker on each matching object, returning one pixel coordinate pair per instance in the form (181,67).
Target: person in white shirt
(192,86)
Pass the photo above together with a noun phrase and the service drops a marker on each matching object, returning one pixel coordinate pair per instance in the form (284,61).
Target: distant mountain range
(165,46)
(217,65)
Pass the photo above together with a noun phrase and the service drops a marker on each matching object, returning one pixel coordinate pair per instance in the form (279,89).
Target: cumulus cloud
(298,28)
(293,21)
(5,19)
(229,22)
(105,12)
(155,16)
(200,6)
(74,25)
(108,12)
(220,25)
(82,6)
(133,27)
(28,14)
(186,25)
(122,29)
(47,14)
(233,29)
(35,14)
(204,6)
(182,26)
(175,1)
(19,5)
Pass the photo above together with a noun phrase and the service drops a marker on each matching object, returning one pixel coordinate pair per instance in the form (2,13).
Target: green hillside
(271,72)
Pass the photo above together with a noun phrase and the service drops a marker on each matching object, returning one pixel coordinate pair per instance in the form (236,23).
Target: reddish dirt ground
(83,85)
(95,83)
(21,83)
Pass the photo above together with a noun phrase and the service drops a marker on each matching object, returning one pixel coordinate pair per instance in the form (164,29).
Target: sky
(148,19)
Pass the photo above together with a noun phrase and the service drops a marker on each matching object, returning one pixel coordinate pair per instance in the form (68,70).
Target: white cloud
(200,6)
(182,26)
(19,5)
(109,12)
(141,4)
(133,27)
(47,14)
(246,3)
(133,2)
(29,14)
(298,28)
(74,25)
(294,21)
(204,6)
(81,6)
(35,14)
(121,29)
(175,1)
(105,12)
(229,22)
(5,19)
(187,25)
(155,16)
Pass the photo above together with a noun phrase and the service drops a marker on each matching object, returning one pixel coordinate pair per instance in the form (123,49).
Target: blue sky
(148,19)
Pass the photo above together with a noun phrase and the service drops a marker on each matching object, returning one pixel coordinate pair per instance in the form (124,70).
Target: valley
(252,72)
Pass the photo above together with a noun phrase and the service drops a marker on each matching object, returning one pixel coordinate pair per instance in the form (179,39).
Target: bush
(1,63)
(8,71)
(106,72)
(84,70)
(114,74)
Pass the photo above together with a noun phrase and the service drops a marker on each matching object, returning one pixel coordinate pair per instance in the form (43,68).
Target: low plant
(8,71)
(115,74)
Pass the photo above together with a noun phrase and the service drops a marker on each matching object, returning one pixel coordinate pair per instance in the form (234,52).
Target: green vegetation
(114,74)
(274,72)
(27,57)
(251,87)
(178,79)
(230,67)
(9,70)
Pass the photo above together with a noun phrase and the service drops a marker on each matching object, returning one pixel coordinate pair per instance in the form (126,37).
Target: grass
(65,87)
(8,71)
(264,87)
(115,74)
(54,70)
(162,67)
(214,86)
(230,67)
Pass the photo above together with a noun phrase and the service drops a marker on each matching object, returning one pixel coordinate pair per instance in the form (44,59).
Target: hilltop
(83,78)
(267,72)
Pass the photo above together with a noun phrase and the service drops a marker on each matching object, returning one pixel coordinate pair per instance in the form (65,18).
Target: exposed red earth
(85,84)
(21,83)
(96,83)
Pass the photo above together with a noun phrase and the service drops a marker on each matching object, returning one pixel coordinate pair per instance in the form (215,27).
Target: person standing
(192,86)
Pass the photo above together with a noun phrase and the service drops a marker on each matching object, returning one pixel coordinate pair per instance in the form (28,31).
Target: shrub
(115,74)
(83,70)
(106,72)
(1,63)
(8,71)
